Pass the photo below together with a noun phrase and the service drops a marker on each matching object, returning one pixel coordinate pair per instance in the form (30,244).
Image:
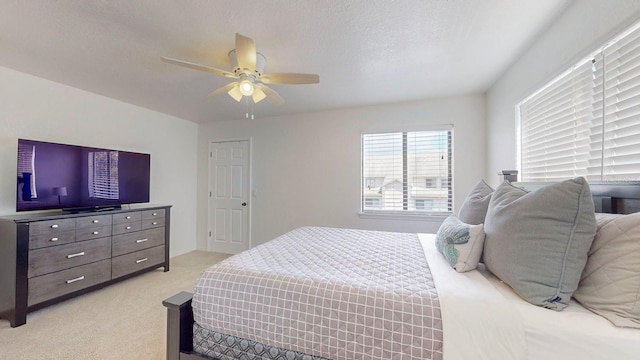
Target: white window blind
(397,167)
(555,125)
(586,122)
(103,175)
(621,139)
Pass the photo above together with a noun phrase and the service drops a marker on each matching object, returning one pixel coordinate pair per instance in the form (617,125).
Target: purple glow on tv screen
(60,176)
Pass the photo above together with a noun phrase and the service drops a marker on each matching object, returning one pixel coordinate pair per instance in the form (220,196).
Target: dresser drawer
(152,214)
(127,243)
(49,286)
(93,233)
(45,240)
(130,263)
(93,221)
(125,228)
(127,217)
(152,223)
(56,258)
(51,226)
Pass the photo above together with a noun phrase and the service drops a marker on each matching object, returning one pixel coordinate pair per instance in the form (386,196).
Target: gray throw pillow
(537,242)
(474,207)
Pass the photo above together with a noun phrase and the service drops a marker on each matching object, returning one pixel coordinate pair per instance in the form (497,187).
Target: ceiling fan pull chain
(246,107)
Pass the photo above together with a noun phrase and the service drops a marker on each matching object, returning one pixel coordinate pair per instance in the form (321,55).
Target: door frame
(210,190)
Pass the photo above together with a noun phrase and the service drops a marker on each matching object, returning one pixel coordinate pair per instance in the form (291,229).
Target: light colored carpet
(122,321)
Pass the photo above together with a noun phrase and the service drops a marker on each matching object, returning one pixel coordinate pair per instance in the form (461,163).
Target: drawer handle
(76,279)
(141,260)
(95,233)
(141,241)
(154,214)
(127,217)
(53,239)
(95,221)
(128,227)
(154,223)
(54,226)
(70,256)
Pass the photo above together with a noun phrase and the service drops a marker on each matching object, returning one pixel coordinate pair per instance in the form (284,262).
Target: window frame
(409,214)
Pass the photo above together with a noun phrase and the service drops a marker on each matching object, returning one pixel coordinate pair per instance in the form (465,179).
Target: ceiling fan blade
(258,95)
(223,89)
(235,93)
(246,53)
(271,95)
(200,67)
(290,78)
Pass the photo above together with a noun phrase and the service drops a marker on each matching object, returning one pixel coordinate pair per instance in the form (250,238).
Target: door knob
(244,204)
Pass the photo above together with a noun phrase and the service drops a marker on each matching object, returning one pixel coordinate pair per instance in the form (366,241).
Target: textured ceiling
(365,51)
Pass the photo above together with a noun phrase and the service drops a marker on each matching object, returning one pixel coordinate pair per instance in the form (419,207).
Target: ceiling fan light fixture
(258,95)
(246,87)
(235,93)
(248,67)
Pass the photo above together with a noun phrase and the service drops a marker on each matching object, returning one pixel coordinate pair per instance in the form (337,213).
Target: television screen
(59,176)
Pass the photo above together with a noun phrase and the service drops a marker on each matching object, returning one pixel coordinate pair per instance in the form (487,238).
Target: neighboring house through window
(407,172)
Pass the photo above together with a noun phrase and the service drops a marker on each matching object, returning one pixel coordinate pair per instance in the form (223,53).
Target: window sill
(435,217)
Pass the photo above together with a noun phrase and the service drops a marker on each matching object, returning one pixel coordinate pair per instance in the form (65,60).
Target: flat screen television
(79,178)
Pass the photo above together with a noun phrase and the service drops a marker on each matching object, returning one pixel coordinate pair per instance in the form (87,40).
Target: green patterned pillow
(460,243)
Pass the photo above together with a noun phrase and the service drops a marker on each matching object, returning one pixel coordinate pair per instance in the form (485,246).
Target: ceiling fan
(248,67)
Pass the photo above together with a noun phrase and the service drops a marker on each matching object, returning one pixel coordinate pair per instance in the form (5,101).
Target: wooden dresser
(50,257)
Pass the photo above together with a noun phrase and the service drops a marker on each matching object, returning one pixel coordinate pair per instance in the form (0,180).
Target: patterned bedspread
(333,293)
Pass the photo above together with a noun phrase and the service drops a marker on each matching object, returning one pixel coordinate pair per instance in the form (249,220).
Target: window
(27,169)
(430,182)
(372,203)
(103,175)
(412,172)
(586,122)
(422,204)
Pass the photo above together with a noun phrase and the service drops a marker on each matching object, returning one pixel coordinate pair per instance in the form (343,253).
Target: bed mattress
(326,292)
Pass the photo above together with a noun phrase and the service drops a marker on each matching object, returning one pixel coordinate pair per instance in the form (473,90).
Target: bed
(328,293)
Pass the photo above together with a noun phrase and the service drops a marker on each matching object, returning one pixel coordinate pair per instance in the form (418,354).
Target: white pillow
(610,282)
(460,243)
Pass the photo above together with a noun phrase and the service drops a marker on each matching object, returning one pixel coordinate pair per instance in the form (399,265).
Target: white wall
(306,168)
(584,26)
(38,109)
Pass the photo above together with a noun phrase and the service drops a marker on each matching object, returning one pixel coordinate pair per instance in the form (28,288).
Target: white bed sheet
(477,321)
(482,318)
(574,333)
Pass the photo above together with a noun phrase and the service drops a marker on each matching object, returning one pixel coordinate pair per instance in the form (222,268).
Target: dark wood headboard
(610,197)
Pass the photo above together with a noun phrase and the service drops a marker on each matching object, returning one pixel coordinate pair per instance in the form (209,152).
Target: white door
(229,196)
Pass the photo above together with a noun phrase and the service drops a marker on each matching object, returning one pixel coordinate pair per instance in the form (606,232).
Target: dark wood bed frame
(180,327)
(617,198)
